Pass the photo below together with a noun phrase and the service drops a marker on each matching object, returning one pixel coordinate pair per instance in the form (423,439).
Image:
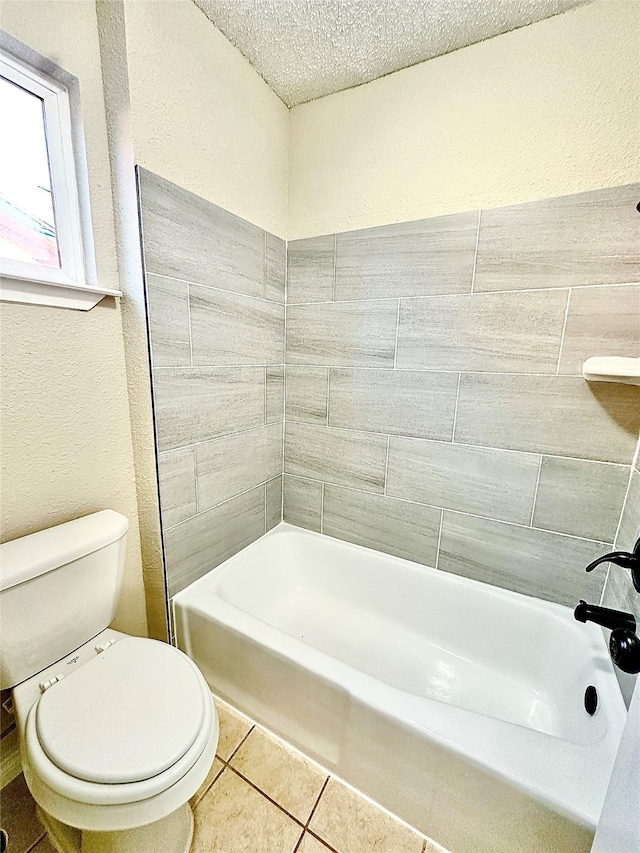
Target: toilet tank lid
(29,556)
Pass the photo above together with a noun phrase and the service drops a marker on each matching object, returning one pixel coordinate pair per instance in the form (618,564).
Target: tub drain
(590,700)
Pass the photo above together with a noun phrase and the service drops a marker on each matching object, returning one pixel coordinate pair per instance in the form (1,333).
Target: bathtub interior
(430,634)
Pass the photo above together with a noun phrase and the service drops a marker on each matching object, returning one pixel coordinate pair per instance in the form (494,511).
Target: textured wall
(215,286)
(547,110)
(66,439)
(202,117)
(434,405)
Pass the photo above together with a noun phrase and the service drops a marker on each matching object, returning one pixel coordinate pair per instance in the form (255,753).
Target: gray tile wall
(619,592)
(434,403)
(215,298)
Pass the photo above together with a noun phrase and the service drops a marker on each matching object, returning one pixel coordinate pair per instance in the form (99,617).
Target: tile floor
(260,797)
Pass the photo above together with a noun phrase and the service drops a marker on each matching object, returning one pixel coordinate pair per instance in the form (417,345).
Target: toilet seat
(152,670)
(125,716)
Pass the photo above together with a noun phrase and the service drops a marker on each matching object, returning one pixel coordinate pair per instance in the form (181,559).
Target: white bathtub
(456,705)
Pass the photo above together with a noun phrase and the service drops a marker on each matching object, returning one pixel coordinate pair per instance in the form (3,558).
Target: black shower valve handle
(626,559)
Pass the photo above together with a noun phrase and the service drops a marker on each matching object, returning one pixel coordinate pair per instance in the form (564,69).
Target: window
(45,234)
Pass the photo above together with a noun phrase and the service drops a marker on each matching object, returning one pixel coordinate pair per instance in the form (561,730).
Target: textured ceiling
(305,49)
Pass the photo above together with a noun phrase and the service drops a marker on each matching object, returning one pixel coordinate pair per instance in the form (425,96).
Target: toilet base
(171,834)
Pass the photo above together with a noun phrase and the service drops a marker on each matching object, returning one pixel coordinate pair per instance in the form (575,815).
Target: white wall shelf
(612,369)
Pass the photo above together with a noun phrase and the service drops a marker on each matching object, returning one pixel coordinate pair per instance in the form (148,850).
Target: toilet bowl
(119,733)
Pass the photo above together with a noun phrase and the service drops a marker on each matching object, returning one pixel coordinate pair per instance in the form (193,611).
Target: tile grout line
(35,843)
(386,467)
(564,329)
(475,255)
(439,539)
(328,393)
(535,493)
(395,347)
(523,525)
(455,411)
(317,802)
(322,509)
(251,784)
(488,447)
(221,503)
(624,501)
(335,265)
(189,321)
(604,586)
(306,364)
(476,293)
(226,289)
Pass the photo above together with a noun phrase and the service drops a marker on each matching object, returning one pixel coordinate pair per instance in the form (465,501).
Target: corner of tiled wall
(215,299)
(619,592)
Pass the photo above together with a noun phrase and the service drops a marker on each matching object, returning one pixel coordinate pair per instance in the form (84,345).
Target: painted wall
(215,286)
(202,117)
(547,110)
(434,403)
(66,438)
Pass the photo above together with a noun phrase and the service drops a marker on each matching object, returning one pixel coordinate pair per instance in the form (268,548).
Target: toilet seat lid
(125,716)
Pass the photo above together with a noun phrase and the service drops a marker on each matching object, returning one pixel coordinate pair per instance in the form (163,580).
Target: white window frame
(72,284)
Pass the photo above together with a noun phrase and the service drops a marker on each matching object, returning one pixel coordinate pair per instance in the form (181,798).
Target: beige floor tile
(432,847)
(280,773)
(233,817)
(351,824)
(233,727)
(43,846)
(19,818)
(216,768)
(312,845)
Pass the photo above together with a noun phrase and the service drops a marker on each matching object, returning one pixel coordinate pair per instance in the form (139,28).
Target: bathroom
(314,402)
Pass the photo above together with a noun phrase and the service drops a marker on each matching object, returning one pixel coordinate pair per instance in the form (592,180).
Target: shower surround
(431,386)
(434,404)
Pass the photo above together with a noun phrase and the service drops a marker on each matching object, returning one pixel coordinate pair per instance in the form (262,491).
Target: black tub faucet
(604,616)
(624,644)
(626,559)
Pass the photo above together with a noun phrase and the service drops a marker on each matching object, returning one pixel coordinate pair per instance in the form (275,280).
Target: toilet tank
(58,589)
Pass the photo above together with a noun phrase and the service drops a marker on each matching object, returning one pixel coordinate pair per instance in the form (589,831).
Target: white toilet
(116,732)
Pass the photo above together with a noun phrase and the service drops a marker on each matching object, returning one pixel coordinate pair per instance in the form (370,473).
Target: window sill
(55,295)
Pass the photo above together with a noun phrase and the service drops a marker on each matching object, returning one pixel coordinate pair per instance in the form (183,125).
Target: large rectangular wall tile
(557,415)
(177,477)
(228,328)
(629,531)
(395,527)
(235,463)
(302,502)
(343,457)
(273,497)
(496,483)
(601,321)
(502,332)
(407,259)
(198,404)
(168,302)
(403,402)
(310,269)
(275,393)
(307,394)
(275,267)
(351,334)
(580,498)
(200,544)
(534,562)
(590,238)
(189,238)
